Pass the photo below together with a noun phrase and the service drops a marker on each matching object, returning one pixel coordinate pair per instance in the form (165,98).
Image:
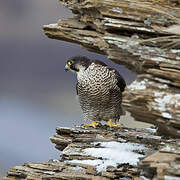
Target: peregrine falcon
(99,90)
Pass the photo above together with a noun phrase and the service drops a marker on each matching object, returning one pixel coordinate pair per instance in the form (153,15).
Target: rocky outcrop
(143,36)
(104,154)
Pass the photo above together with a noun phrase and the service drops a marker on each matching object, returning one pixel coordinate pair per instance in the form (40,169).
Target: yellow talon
(93,124)
(111,124)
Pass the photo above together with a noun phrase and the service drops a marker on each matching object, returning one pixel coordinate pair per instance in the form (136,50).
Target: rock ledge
(106,153)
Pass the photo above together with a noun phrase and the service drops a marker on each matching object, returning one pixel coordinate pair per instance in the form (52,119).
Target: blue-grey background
(36,95)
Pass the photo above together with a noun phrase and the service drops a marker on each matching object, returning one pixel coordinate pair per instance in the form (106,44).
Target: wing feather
(120,80)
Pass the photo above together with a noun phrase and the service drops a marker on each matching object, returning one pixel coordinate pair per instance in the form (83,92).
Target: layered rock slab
(106,153)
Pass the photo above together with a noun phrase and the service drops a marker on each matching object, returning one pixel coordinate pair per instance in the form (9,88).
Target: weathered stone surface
(145,37)
(103,156)
(166,164)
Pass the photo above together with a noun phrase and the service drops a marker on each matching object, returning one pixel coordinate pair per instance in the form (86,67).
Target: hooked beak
(66,68)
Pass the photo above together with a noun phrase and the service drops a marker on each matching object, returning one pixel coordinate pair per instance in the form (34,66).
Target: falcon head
(77,63)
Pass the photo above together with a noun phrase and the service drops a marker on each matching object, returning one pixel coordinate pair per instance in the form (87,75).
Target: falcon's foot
(93,124)
(111,124)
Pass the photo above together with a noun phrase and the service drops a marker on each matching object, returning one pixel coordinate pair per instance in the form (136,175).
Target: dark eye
(72,66)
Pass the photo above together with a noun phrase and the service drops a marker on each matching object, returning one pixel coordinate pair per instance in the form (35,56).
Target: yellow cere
(69,63)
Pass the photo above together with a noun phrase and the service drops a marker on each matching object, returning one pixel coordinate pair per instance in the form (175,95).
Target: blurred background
(36,95)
